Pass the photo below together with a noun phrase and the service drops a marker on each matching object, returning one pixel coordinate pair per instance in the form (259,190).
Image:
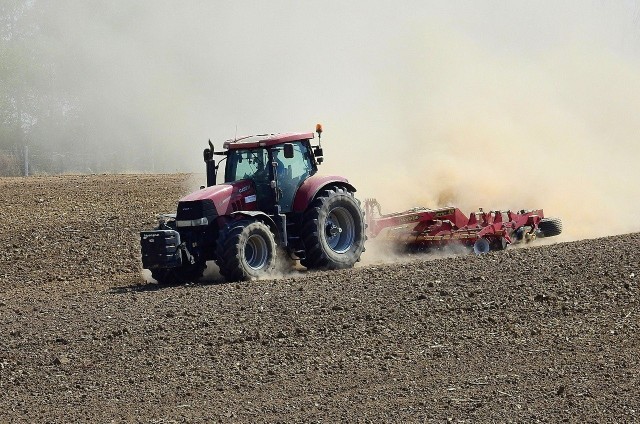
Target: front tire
(185,274)
(246,251)
(333,231)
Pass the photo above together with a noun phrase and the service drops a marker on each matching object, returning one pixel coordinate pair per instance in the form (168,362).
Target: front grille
(196,209)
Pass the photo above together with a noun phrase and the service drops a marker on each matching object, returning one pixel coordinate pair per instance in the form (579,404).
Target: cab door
(292,171)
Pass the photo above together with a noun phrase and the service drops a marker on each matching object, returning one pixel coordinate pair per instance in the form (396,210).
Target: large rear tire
(333,231)
(246,251)
(550,227)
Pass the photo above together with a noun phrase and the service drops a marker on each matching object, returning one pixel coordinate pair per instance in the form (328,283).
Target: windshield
(242,164)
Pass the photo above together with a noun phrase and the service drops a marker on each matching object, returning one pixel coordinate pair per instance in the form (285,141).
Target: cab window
(297,168)
(243,164)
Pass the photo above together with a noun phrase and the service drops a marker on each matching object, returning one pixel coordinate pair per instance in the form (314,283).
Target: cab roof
(265,140)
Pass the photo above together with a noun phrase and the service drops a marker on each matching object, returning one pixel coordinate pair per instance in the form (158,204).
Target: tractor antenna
(235,137)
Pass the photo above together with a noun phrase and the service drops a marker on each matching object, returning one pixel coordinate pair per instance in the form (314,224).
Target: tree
(29,103)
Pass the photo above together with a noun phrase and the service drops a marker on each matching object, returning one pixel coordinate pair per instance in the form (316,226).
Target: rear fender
(313,185)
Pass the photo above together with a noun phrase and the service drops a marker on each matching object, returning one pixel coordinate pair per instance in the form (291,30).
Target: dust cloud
(463,123)
(493,104)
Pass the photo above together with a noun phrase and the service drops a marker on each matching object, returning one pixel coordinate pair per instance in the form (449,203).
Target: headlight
(192,223)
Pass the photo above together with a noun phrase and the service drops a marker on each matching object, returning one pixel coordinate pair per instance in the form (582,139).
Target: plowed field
(543,334)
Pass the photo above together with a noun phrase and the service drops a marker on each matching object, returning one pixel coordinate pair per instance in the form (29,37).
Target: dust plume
(460,123)
(487,104)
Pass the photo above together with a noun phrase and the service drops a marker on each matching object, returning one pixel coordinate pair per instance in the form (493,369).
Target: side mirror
(317,152)
(288,151)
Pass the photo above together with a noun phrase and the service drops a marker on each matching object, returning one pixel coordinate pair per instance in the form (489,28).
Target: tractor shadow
(153,286)
(146,283)
(211,277)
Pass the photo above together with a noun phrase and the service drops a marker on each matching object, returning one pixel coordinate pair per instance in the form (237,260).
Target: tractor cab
(277,164)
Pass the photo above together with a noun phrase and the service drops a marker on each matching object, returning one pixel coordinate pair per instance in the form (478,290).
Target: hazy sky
(486,103)
(282,65)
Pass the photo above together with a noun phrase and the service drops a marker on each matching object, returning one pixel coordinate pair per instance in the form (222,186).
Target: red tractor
(272,208)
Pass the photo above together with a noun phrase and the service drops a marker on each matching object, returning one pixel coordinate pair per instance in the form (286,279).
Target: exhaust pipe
(210,164)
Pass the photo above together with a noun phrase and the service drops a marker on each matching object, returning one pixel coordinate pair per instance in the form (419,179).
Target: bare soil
(543,334)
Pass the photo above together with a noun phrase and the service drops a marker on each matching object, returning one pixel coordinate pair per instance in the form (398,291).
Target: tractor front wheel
(333,231)
(246,250)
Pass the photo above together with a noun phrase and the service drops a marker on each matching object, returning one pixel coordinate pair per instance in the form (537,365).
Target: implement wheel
(333,230)
(550,227)
(481,246)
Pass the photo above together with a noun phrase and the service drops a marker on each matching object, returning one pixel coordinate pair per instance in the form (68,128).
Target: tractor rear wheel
(333,231)
(550,226)
(246,250)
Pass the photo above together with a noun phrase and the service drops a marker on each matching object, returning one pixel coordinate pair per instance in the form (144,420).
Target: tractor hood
(223,198)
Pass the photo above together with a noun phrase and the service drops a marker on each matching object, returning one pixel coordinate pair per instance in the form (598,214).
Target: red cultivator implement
(423,229)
